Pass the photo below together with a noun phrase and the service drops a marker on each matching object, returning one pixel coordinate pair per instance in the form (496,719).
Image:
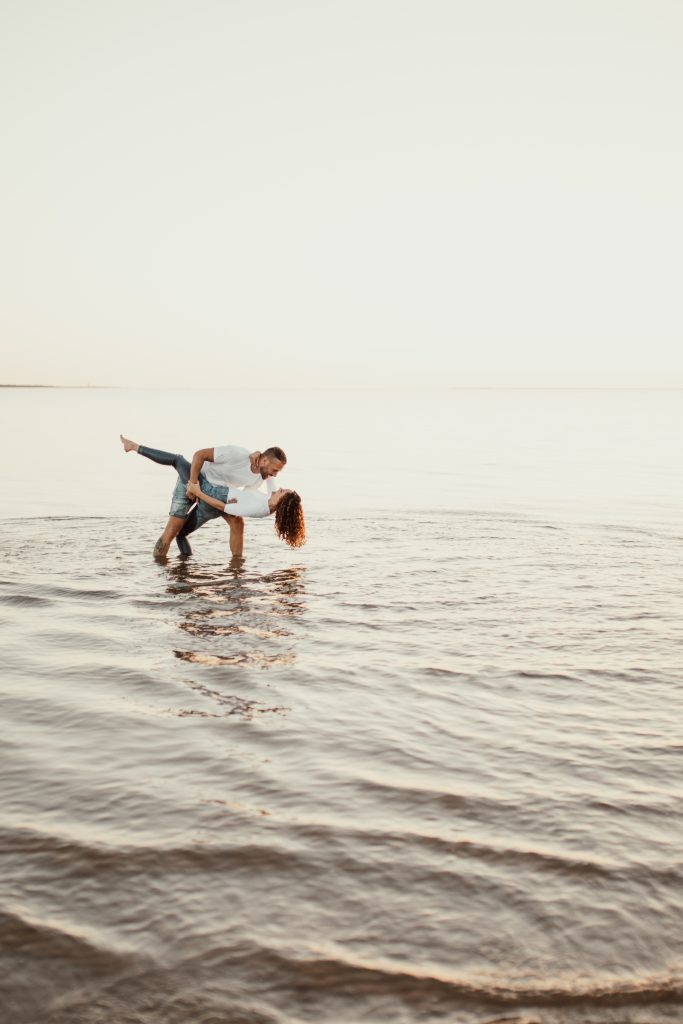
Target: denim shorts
(181,504)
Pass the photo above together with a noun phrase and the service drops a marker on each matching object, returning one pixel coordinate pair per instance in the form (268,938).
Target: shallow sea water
(426,768)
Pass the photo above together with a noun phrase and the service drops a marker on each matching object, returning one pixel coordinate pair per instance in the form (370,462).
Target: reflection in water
(236,619)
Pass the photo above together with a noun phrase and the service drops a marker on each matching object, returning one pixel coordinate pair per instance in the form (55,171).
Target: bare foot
(128,446)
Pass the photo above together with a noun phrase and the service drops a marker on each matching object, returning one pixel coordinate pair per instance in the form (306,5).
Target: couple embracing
(225,481)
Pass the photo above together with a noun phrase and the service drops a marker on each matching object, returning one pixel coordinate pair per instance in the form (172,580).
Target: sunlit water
(426,768)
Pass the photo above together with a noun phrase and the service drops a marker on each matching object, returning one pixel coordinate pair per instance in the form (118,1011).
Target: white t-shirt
(249,503)
(231,468)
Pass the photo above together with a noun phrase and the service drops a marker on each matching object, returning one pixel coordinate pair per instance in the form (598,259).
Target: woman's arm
(196,491)
(245,504)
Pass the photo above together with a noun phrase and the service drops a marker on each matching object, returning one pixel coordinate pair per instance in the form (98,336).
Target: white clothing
(231,468)
(249,503)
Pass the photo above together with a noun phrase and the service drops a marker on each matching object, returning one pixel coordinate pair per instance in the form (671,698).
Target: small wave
(23,520)
(436,670)
(420,795)
(514,1020)
(562,676)
(519,857)
(173,859)
(217,856)
(21,930)
(24,600)
(337,969)
(83,593)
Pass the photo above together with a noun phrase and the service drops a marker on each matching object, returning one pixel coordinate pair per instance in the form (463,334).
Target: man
(217,469)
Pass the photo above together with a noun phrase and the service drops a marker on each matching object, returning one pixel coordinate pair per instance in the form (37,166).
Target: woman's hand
(194,489)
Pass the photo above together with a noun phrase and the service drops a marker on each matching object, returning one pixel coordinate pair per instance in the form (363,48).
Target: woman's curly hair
(289,520)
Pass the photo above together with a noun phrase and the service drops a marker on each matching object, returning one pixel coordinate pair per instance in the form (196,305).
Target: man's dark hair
(275,453)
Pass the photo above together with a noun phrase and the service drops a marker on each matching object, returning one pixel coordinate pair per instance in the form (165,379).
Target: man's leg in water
(171,530)
(180,502)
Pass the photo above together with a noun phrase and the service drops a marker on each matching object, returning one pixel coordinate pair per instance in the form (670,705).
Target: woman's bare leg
(236,524)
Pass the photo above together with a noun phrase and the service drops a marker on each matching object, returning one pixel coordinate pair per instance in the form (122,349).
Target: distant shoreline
(369,388)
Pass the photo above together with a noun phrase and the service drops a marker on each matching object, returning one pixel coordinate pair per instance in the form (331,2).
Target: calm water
(427,768)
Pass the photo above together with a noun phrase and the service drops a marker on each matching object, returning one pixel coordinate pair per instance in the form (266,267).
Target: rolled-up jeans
(180,503)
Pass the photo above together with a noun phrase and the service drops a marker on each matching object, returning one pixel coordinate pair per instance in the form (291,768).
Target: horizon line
(329,387)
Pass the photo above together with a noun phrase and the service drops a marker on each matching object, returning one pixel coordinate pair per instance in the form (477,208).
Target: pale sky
(363,192)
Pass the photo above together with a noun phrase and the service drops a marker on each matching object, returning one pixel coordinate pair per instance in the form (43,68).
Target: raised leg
(182,468)
(179,462)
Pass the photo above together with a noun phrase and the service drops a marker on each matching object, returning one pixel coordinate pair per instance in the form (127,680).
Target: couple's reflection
(237,615)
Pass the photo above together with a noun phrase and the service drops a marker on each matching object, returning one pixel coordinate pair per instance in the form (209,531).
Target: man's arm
(198,459)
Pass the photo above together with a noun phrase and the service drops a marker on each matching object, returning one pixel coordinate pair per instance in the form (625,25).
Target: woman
(283,503)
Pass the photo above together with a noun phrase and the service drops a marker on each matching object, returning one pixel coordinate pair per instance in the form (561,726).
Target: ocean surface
(425,769)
